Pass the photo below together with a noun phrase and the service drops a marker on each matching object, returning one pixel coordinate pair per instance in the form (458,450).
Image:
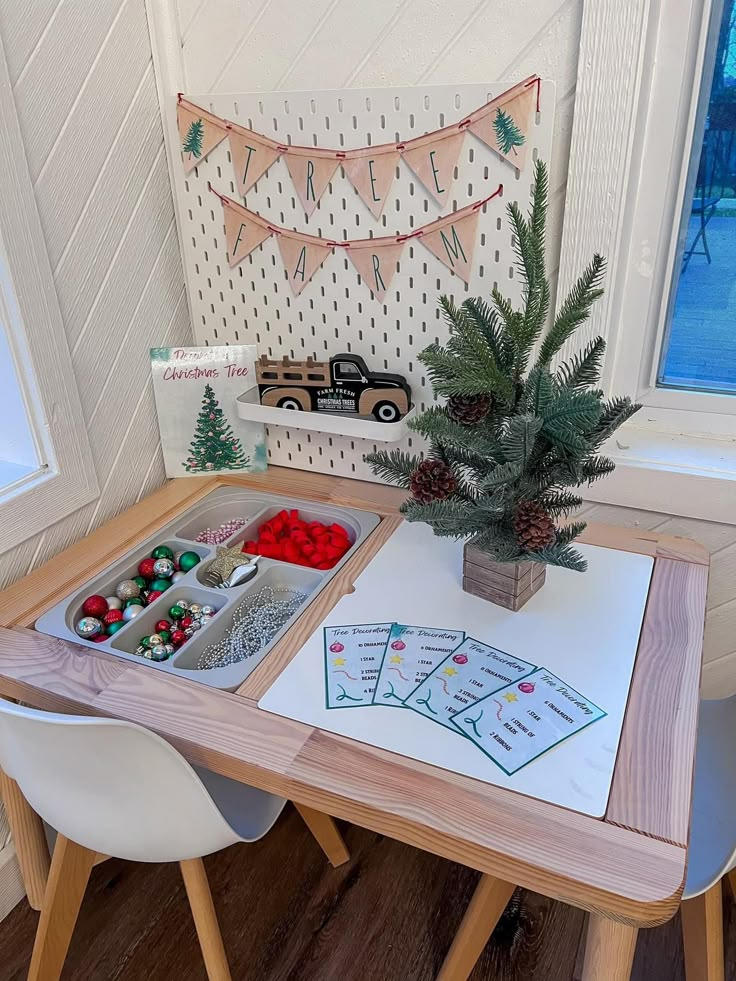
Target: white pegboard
(253,302)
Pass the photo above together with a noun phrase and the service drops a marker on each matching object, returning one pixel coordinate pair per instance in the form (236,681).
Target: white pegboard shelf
(355,427)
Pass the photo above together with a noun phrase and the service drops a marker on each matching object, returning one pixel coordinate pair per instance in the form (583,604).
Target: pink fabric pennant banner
(199,133)
(311,173)
(505,127)
(252,155)
(434,160)
(243,232)
(372,172)
(302,256)
(377,261)
(452,240)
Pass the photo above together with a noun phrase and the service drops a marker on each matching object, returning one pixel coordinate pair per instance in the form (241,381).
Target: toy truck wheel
(386,412)
(289,403)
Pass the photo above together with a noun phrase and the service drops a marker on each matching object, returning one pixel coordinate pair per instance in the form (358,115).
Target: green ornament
(176,612)
(135,601)
(165,636)
(141,581)
(112,628)
(162,552)
(160,584)
(145,641)
(188,560)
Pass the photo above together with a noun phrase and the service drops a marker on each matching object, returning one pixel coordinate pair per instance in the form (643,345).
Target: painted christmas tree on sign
(214,447)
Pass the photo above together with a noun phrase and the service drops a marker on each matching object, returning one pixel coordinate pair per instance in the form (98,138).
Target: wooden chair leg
(488,902)
(732,882)
(26,828)
(609,950)
(328,837)
(70,868)
(205,919)
(702,936)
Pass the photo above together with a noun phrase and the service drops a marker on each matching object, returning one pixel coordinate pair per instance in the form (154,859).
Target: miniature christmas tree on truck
(515,432)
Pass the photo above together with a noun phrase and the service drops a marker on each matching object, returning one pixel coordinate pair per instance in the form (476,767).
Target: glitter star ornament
(225,561)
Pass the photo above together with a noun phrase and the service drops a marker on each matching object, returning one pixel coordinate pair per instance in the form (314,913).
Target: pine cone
(533,527)
(432,481)
(468,410)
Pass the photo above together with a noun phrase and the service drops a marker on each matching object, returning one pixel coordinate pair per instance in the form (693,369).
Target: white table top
(583,627)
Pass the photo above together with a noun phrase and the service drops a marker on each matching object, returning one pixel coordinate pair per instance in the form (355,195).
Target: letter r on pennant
(310,185)
(380,285)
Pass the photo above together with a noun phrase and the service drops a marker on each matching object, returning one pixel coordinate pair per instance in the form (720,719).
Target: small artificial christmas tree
(214,447)
(508,134)
(514,432)
(193,140)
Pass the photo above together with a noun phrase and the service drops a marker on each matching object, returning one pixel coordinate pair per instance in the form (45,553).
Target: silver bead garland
(256,620)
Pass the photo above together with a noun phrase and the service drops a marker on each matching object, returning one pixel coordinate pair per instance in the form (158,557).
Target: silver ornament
(169,649)
(178,555)
(113,603)
(88,627)
(158,652)
(195,609)
(184,604)
(177,576)
(131,611)
(195,625)
(207,610)
(155,640)
(127,589)
(163,568)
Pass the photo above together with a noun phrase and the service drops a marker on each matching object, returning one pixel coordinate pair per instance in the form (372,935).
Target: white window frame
(66,480)
(637,113)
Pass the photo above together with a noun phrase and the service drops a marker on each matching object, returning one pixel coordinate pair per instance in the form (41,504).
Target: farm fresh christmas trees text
(514,433)
(214,447)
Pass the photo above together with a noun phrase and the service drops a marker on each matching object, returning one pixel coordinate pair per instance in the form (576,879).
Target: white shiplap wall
(86,99)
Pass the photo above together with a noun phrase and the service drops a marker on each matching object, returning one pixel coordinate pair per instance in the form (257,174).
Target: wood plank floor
(286,915)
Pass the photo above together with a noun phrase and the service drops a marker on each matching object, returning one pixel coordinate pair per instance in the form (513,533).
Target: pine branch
(447,518)
(569,532)
(575,310)
(595,467)
(520,436)
(614,413)
(485,319)
(505,473)
(583,369)
(539,391)
(560,503)
(563,556)
(435,424)
(394,466)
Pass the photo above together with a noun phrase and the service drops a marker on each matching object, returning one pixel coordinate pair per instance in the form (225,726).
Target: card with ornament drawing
(196,391)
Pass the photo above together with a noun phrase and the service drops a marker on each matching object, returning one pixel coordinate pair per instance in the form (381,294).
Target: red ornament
(99,638)
(95,606)
(460,658)
(527,687)
(398,645)
(153,595)
(186,622)
(145,569)
(162,625)
(337,647)
(178,637)
(112,616)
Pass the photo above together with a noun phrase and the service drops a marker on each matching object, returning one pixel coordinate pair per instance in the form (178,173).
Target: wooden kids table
(627,869)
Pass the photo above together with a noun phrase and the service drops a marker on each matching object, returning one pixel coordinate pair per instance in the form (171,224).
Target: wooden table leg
(29,839)
(488,902)
(325,830)
(702,935)
(70,869)
(609,950)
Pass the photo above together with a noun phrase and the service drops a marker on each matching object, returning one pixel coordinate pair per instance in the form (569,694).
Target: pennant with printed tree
(213,446)
(199,134)
(505,128)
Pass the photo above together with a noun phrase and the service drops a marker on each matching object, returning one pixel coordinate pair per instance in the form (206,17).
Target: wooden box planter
(508,584)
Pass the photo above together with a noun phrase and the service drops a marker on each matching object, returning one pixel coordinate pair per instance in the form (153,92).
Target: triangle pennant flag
(376,261)
(302,257)
(452,240)
(372,174)
(251,157)
(434,162)
(242,233)
(505,128)
(199,134)
(311,175)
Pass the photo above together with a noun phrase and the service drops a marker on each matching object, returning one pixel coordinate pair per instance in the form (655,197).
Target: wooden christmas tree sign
(515,432)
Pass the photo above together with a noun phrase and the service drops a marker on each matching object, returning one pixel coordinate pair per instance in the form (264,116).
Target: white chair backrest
(111,786)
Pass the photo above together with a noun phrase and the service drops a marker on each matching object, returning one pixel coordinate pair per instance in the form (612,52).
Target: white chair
(111,788)
(712,841)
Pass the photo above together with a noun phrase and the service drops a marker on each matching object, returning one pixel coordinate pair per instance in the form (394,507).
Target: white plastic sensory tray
(180,534)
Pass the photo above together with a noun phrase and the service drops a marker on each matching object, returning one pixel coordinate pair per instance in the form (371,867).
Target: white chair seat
(713,832)
(249,812)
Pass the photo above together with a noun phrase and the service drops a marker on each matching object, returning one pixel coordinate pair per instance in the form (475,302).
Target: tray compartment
(142,625)
(216,515)
(277,575)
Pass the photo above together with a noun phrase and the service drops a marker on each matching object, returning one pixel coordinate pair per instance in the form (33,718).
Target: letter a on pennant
(372,175)
(198,135)
(311,175)
(454,243)
(242,234)
(506,126)
(251,159)
(434,163)
(301,259)
(376,265)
